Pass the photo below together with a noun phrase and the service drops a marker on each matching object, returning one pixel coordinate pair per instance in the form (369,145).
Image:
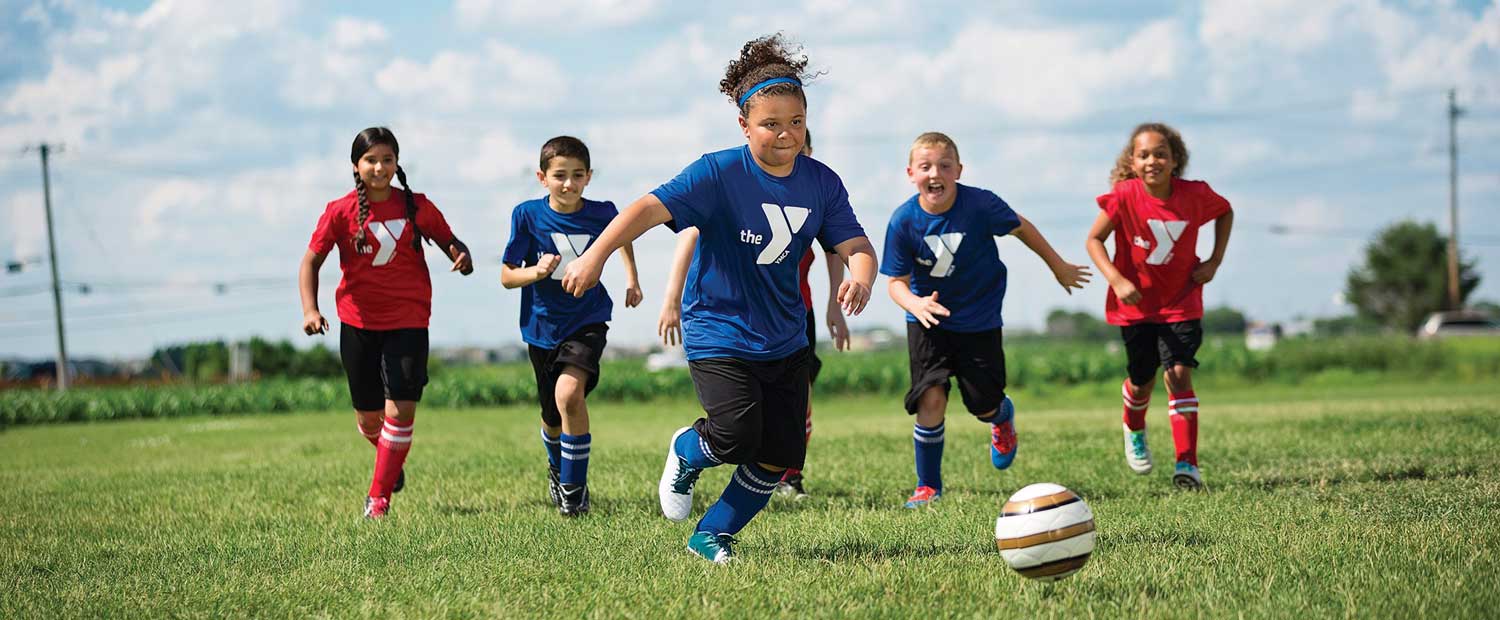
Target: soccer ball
(1045,532)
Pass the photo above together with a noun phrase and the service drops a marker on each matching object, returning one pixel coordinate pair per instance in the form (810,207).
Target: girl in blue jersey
(945,271)
(758,208)
(565,335)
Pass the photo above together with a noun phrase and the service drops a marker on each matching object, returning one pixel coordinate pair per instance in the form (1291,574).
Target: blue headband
(771,82)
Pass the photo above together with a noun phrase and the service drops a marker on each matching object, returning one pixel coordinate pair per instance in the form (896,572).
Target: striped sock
(1183,409)
(693,448)
(372,437)
(1135,410)
(390,456)
(575,458)
(747,493)
(928,444)
(554,450)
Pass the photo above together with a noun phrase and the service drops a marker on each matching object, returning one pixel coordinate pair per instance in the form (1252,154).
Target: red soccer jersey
(388,287)
(802,269)
(1156,244)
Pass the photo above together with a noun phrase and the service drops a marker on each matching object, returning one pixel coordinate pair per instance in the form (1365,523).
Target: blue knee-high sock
(575,458)
(554,451)
(694,449)
(928,443)
(747,493)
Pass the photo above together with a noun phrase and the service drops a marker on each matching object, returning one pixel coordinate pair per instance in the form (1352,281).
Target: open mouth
(934,189)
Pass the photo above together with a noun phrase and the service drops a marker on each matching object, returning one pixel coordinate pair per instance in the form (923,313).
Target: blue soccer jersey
(548,313)
(955,254)
(741,298)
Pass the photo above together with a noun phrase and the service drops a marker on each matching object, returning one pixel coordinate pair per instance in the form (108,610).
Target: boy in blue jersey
(565,335)
(938,246)
(757,208)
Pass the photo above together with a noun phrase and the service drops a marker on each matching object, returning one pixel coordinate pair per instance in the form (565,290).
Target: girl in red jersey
(384,299)
(1156,284)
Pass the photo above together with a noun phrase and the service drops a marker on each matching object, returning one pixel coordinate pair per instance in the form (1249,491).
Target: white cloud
(500,75)
(475,14)
(27,225)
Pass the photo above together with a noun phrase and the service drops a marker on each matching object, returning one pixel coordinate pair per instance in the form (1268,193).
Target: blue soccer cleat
(1003,435)
(716,548)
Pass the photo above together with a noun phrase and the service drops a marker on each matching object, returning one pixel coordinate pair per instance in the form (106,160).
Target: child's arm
(854,293)
(583,273)
(459,254)
(633,294)
(926,309)
(1070,276)
(1124,289)
(307,283)
(1205,271)
(516,277)
(669,322)
(838,329)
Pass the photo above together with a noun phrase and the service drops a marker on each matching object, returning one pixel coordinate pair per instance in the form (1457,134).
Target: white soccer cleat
(677,479)
(1137,455)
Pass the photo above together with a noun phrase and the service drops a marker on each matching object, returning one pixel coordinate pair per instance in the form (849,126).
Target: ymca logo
(784,222)
(569,248)
(943,247)
(386,233)
(1167,232)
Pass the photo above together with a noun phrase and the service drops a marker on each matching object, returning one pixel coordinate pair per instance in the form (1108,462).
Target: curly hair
(1123,169)
(762,59)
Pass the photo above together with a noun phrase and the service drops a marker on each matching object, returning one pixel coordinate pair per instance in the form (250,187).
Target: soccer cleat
(792,487)
(677,479)
(554,487)
(400,481)
(574,499)
(1186,477)
(923,496)
(377,507)
(1137,455)
(1003,435)
(716,548)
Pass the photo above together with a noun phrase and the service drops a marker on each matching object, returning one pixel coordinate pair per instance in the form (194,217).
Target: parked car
(1458,323)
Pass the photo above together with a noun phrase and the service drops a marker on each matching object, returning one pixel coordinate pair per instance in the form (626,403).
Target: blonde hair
(1123,169)
(933,139)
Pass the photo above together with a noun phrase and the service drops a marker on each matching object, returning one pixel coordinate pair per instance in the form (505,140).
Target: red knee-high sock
(1135,410)
(373,438)
(1183,409)
(806,439)
(390,455)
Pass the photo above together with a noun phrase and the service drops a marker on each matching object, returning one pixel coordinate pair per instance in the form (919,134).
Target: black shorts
(1149,346)
(757,411)
(812,347)
(383,365)
(976,358)
(582,349)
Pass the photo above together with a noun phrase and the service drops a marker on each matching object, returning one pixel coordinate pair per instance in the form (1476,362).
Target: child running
(669,324)
(946,273)
(1156,284)
(757,209)
(384,300)
(565,335)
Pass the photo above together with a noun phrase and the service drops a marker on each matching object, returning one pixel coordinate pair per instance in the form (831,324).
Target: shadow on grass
(876,550)
(1397,474)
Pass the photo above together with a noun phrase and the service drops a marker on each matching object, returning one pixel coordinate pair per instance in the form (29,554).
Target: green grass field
(1365,499)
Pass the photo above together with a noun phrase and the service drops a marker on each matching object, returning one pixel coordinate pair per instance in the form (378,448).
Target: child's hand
(838,330)
(633,295)
(581,275)
(927,310)
(1205,271)
(669,325)
(463,264)
(1126,292)
(1071,276)
(314,323)
(546,264)
(853,296)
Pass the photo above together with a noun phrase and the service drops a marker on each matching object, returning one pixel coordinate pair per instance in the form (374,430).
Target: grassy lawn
(1363,498)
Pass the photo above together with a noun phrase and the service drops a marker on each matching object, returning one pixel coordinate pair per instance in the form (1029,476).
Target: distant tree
(1072,325)
(1405,276)
(1344,326)
(1223,320)
(1488,307)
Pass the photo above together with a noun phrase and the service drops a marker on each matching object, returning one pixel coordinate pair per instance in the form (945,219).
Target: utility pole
(62,343)
(1453,112)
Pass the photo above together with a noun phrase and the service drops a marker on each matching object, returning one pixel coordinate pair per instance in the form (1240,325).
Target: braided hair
(762,59)
(363,142)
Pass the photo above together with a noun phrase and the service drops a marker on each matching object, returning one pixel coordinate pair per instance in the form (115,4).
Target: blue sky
(201,140)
